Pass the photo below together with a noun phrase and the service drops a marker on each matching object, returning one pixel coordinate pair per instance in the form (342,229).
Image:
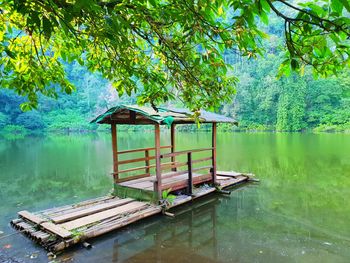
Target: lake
(299,212)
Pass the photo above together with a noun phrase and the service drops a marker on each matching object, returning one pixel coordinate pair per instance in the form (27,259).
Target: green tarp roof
(134,114)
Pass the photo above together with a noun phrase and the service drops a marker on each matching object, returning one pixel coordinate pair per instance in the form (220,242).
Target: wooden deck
(58,228)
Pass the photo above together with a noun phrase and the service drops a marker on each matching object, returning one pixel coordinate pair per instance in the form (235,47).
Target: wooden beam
(132,117)
(143,149)
(213,140)
(190,180)
(173,159)
(115,152)
(158,183)
(147,164)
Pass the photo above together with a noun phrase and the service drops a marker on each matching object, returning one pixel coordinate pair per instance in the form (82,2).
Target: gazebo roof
(137,115)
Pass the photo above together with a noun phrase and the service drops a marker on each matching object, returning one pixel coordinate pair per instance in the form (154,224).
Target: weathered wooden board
(228,174)
(31,217)
(232,181)
(90,210)
(56,229)
(128,208)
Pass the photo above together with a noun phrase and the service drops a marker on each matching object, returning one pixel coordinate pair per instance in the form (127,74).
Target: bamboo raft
(193,173)
(58,228)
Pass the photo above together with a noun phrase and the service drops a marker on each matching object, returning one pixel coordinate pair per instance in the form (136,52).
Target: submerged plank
(31,217)
(56,229)
(128,208)
(90,210)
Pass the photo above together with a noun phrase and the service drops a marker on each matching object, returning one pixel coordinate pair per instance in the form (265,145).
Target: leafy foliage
(165,49)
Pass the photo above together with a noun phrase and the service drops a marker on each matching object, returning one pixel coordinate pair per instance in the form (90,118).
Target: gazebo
(182,175)
(188,174)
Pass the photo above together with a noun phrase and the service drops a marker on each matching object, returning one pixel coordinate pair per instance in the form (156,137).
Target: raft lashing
(59,228)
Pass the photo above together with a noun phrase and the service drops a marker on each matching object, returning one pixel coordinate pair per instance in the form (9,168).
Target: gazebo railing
(173,165)
(190,170)
(147,157)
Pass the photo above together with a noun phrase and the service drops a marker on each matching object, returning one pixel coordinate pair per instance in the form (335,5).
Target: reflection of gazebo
(174,174)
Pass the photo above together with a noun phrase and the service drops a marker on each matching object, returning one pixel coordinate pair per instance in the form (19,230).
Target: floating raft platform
(62,227)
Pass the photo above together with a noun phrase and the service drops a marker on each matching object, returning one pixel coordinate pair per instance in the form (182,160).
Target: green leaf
(265,5)
(10,53)
(337,6)
(47,27)
(346,4)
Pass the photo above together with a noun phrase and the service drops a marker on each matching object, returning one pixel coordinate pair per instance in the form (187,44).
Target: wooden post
(115,152)
(147,162)
(213,141)
(190,180)
(173,145)
(158,183)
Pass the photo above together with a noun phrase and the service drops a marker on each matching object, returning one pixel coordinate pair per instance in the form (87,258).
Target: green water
(300,211)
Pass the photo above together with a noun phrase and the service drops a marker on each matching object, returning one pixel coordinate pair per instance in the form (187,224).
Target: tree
(167,49)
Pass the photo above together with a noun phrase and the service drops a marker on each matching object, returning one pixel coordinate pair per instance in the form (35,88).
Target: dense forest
(262,102)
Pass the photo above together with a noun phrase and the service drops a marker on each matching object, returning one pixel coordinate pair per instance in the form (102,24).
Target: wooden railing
(189,164)
(147,157)
(173,165)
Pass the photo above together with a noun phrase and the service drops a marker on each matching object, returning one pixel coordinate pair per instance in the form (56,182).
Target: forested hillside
(262,102)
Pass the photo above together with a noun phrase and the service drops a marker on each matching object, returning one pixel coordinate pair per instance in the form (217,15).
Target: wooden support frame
(190,179)
(115,152)
(172,139)
(158,183)
(213,140)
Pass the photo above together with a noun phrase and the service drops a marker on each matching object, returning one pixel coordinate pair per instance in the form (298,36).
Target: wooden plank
(56,229)
(228,173)
(103,215)
(219,177)
(143,149)
(90,210)
(31,217)
(167,155)
(136,160)
(132,178)
(135,169)
(232,181)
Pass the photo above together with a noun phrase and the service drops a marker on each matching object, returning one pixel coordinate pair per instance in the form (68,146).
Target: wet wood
(31,217)
(56,229)
(90,210)
(102,215)
(72,224)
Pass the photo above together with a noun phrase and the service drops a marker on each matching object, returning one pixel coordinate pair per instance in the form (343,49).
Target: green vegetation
(164,49)
(260,101)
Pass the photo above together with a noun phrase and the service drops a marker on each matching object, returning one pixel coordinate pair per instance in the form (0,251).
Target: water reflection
(298,213)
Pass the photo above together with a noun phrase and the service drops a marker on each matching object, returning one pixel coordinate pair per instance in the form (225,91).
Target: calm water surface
(299,212)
